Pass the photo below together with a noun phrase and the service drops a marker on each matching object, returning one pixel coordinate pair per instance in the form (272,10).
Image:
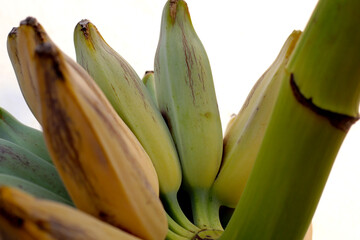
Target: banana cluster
(147,158)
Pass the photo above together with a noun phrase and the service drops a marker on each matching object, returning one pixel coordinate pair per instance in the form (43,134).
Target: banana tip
(84,27)
(30,21)
(13,32)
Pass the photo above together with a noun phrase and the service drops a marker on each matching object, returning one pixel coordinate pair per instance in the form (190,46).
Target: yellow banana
(187,101)
(20,59)
(24,217)
(244,136)
(104,167)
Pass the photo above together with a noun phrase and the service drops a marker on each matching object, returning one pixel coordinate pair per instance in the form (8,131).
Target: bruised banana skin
(31,139)
(131,100)
(91,147)
(19,162)
(186,98)
(244,135)
(24,217)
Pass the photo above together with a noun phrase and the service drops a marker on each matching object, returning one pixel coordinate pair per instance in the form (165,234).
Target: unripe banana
(131,100)
(24,217)
(187,101)
(246,132)
(99,159)
(31,139)
(134,104)
(149,82)
(19,162)
(32,188)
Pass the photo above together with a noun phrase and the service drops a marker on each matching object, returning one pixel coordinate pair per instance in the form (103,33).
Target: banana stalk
(318,102)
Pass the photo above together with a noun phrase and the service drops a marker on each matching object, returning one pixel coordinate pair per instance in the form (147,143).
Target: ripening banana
(187,101)
(25,217)
(20,57)
(149,82)
(19,162)
(244,136)
(134,104)
(31,139)
(105,169)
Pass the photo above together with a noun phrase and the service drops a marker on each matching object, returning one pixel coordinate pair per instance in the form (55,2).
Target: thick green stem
(199,203)
(317,104)
(326,61)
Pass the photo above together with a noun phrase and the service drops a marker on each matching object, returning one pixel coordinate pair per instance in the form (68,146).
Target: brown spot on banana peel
(340,121)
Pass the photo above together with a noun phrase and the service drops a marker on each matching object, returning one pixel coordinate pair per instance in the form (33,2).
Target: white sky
(242,38)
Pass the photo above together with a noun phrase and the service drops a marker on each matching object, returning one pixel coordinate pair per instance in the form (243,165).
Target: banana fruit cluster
(120,157)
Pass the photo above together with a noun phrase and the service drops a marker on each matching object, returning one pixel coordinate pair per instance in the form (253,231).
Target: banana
(187,101)
(24,217)
(19,162)
(105,169)
(134,104)
(149,82)
(229,124)
(31,139)
(32,188)
(244,136)
(318,102)
(129,97)
(20,59)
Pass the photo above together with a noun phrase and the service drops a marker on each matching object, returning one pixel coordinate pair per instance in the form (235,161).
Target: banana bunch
(120,157)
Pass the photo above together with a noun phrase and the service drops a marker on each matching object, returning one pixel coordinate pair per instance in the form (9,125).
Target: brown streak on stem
(338,120)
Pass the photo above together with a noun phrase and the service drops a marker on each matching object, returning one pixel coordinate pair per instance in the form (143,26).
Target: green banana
(18,161)
(31,139)
(317,104)
(149,82)
(244,136)
(134,104)
(32,188)
(187,101)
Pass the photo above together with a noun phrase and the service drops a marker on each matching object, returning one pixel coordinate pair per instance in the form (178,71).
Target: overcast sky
(242,38)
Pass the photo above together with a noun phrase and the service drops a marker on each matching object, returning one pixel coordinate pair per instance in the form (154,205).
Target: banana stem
(214,214)
(173,236)
(205,210)
(173,208)
(311,118)
(179,230)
